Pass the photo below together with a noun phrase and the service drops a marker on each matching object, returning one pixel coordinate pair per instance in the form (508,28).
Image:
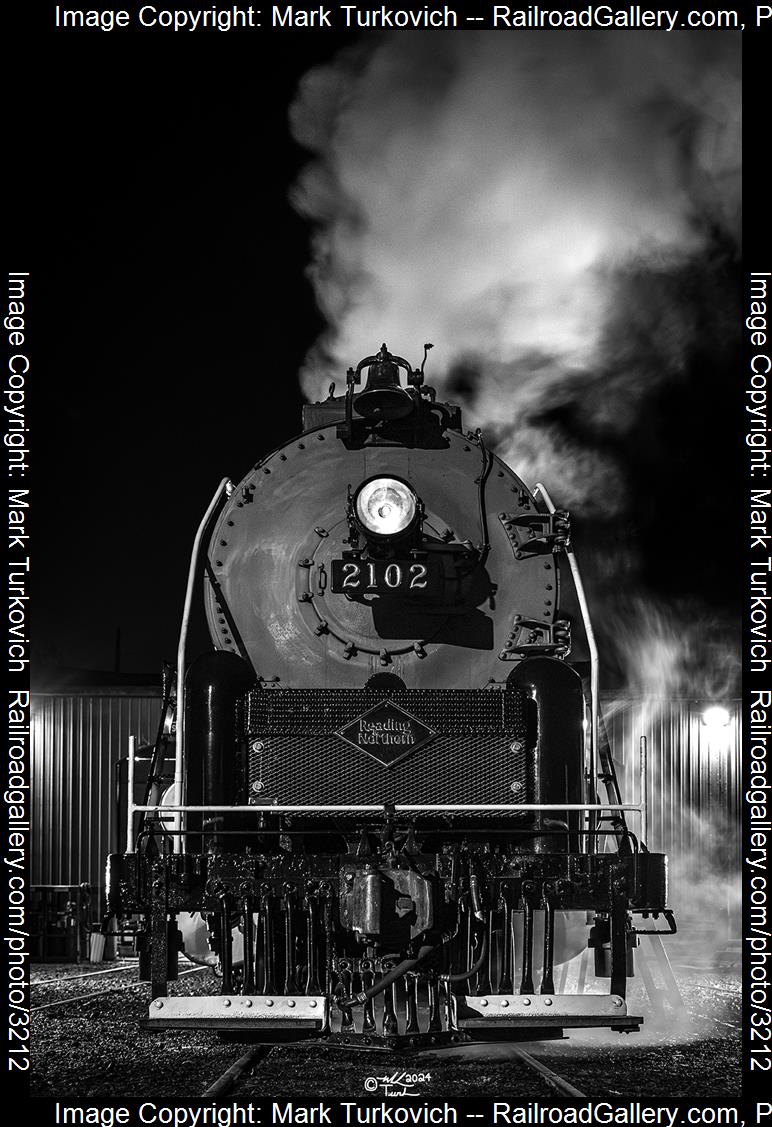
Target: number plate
(384,577)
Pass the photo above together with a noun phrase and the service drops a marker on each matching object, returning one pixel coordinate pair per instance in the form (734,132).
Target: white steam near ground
(552,211)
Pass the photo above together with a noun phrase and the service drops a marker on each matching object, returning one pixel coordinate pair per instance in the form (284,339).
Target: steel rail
(716,1020)
(705,969)
(555,1081)
(226,1082)
(101,993)
(717,990)
(89,974)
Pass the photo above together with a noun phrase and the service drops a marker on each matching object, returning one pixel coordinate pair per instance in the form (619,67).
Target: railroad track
(731,1024)
(89,974)
(716,1020)
(230,1078)
(706,969)
(101,993)
(717,990)
(232,1075)
(555,1081)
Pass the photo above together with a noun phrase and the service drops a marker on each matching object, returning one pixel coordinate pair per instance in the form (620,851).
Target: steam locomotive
(384,825)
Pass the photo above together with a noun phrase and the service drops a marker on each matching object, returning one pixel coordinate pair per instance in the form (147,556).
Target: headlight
(385,506)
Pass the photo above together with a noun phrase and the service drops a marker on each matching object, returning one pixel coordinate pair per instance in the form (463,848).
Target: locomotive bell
(383,397)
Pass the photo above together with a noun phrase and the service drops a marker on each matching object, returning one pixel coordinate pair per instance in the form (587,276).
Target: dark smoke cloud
(559,213)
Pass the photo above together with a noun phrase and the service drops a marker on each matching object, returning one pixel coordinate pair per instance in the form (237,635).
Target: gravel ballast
(93,1048)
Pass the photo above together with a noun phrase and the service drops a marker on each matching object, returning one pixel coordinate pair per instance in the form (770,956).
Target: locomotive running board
(238,1011)
(546,1010)
(507,1013)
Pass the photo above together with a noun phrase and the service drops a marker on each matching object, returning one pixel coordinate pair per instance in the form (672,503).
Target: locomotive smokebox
(215,757)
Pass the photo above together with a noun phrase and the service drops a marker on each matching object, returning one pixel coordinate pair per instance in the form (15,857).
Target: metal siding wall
(693,783)
(76,742)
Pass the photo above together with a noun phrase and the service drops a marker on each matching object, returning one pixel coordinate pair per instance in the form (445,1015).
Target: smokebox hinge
(529,637)
(537,534)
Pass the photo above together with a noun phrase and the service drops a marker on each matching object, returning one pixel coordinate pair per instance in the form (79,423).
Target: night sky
(170,313)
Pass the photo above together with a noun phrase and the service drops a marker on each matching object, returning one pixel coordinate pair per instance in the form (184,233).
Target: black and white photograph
(380,447)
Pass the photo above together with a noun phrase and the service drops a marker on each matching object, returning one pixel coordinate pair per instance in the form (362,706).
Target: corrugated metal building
(693,766)
(78,737)
(693,794)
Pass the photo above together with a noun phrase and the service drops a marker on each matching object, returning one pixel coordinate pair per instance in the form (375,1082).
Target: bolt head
(504,1003)
(548,1001)
(269,1001)
(291,1003)
(617,1002)
(516,745)
(257,786)
(483,1002)
(313,1003)
(158,1004)
(526,1001)
(257,745)
(248,1002)
(226,1002)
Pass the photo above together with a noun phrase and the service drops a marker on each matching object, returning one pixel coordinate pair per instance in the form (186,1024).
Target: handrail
(179,743)
(376,808)
(130,787)
(594,665)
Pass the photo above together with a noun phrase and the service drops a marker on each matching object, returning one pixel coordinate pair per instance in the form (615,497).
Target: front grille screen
(296,757)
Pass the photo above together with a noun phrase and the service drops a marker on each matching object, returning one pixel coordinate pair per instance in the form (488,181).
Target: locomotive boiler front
(390,802)
(407,548)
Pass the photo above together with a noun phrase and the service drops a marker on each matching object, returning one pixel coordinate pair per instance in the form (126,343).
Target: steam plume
(558,212)
(488,192)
